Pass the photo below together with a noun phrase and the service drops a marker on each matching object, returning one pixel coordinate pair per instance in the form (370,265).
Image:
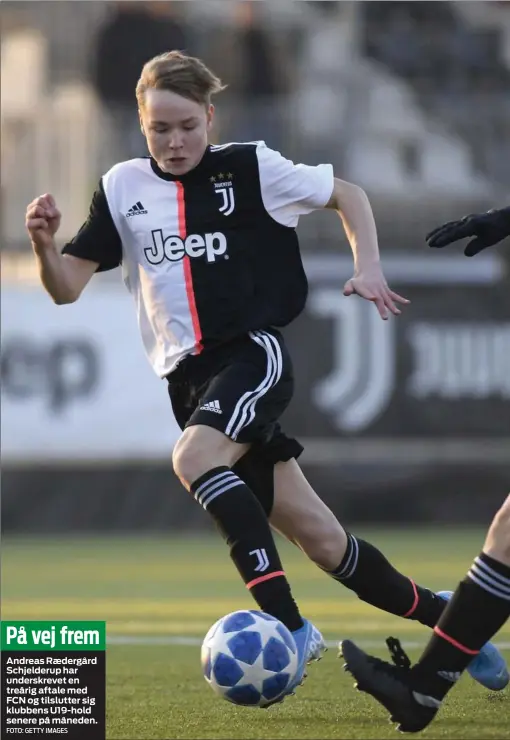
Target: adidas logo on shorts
(212,406)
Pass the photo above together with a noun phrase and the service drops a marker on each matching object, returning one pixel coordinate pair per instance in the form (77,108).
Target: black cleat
(390,685)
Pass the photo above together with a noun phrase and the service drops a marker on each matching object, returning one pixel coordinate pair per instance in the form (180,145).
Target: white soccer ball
(249,658)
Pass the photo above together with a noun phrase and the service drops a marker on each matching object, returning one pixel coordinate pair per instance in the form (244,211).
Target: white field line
(196,641)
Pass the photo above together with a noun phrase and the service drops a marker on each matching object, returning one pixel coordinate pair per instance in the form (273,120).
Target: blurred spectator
(324,99)
(252,62)
(259,81)
(399,45)
(132,34)
(452,66)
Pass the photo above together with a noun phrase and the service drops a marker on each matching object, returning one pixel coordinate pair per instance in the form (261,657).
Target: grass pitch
(160,595)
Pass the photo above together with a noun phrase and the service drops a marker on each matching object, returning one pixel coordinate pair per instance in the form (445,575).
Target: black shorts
(241,388)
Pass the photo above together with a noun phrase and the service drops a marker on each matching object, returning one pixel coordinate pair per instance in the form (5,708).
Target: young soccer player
(206,236)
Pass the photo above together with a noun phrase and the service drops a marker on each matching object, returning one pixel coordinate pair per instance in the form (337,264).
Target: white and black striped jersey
(209,255)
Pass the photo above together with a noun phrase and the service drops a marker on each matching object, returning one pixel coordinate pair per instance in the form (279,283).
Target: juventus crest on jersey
(208,255)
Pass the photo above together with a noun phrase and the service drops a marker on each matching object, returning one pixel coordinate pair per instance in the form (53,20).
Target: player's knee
(190,459)
(201,449)
(183,461)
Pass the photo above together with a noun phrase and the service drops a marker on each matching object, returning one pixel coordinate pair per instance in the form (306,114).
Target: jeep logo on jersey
(174,248)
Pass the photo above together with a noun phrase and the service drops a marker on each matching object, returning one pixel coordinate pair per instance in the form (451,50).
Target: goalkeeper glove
(487,228)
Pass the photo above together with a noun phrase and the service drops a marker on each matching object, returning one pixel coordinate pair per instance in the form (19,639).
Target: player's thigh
(245,398)
(302,517)
(200,447)
(240,397)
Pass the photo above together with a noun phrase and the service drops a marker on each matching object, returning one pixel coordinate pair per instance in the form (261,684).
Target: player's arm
(487,228)
(353,207)
(96,247)
(63,276)
(292,190)
(355,211)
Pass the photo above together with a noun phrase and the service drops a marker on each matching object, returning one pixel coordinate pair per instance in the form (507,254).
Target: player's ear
(141,122)
(210,116)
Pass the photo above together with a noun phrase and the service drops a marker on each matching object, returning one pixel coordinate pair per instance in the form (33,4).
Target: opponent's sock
(366,571)
(477,610)
(244,526)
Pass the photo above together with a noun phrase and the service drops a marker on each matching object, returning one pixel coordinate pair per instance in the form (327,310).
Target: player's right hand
(42,221)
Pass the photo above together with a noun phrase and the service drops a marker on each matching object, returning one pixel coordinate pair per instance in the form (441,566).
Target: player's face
(176,130)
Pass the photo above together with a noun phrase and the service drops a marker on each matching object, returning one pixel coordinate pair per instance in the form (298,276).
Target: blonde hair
(181,74)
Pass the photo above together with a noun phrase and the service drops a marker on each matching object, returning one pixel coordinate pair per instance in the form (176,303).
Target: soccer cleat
(310,646)
(489,667)
(390,685)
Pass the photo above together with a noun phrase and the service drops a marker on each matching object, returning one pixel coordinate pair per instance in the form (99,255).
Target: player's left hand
(370,283)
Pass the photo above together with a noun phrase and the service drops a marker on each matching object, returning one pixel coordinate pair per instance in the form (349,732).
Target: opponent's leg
(202,460)
(478,609)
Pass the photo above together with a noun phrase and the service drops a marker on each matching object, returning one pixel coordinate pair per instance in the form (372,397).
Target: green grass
(157,589)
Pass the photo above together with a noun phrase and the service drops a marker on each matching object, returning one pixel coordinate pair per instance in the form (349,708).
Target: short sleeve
(292,190)
(98,239)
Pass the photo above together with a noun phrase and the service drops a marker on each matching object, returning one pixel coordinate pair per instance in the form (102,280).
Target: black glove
(487,228)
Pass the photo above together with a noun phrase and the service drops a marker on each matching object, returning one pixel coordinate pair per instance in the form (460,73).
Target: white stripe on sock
(505,582)
(350,542)
(231,484)
(488,579)
(217,480)
(486,587)
(355,558)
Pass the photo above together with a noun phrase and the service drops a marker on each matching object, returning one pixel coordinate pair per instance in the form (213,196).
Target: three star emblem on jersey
(224,187)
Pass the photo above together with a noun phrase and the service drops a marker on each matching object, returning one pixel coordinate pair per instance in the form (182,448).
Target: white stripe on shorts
(244,411)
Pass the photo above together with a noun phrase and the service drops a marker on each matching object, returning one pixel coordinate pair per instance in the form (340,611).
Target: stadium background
(408,421)
(406,424)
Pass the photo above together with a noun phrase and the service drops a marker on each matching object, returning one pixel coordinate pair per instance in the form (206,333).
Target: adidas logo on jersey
(136,210)
(212,406)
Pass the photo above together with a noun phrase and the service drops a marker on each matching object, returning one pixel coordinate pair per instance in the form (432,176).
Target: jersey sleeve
(98,239)
(292,190)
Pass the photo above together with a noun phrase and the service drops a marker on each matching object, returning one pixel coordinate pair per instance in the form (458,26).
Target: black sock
(244,526)
(365,570)
(477,610)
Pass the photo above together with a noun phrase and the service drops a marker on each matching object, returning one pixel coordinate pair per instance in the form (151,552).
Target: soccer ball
(249,658)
